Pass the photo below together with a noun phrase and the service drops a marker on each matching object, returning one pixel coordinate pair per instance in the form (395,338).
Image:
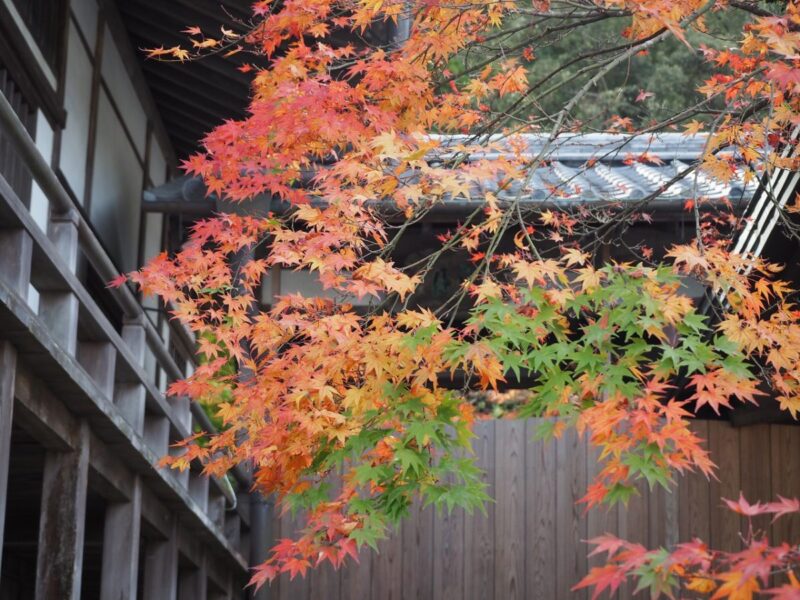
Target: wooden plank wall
(530,544)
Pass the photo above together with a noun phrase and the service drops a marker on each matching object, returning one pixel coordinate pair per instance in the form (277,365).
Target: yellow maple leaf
(702,585)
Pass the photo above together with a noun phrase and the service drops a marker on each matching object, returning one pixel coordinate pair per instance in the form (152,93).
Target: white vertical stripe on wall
(77,101)
(40,205)
(153,224)
(116,188)
(158,164)
(123,92)
(86,14)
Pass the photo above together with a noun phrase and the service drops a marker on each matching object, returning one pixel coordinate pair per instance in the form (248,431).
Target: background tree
(345,97)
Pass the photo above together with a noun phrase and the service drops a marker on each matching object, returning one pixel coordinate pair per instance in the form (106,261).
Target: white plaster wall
(158,164)
(85,12)
(122,91)
(40,205)
(116,188)
(77,101)
(306,283)
(153,224)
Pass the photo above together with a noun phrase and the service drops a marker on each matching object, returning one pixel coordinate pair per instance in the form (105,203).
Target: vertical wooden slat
(785,463)
(356,577)
(479,528)
(754,458)
(600,519)
(325,581)
(570,522)
(723,443)
(540,525)
(510,510)
(417,534)
(62,522)
(633,521)
(387,569)
(120,570)
(693,510)
(656,530)
(8,371)
(297,588)
(448,554)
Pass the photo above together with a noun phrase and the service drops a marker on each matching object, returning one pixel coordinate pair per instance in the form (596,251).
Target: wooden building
(84,512)
(90,137)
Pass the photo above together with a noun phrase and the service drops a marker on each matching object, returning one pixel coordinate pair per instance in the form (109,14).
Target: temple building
(91,136)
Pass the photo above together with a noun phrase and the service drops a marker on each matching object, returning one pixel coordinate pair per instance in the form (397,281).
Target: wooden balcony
(83,415)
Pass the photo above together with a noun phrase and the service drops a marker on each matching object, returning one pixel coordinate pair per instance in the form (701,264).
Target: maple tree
(354,136)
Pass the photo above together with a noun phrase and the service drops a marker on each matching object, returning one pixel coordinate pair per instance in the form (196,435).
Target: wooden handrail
(96,254)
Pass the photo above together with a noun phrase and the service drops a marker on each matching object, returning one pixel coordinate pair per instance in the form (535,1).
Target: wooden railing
(96,370)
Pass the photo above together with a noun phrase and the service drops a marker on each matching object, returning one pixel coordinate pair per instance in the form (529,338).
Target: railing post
(161,567)
(16,244)
(63,232)
(62,522)
(59,308)
(8,371)
(121,547)
(130,397)
(260,536)
(198,490)
(99,359)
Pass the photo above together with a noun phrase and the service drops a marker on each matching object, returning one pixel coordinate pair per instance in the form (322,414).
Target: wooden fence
(530,544)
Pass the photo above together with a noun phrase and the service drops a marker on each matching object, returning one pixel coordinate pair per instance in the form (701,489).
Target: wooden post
(62,522)
(59,311)
(63,232)
(198,490)
(161,568)
(130,397)
(16,246)
(156,434)
(99,360)
(121,547)
(8,371)
(59,308)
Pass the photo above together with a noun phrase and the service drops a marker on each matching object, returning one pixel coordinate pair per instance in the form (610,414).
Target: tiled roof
(606,167)
(586,167)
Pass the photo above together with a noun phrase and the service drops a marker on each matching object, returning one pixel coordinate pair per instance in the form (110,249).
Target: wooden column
(62,522)
(8,370)
(161,568)
(121,547)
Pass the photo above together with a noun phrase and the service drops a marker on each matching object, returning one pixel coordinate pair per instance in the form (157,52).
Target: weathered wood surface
(530,543)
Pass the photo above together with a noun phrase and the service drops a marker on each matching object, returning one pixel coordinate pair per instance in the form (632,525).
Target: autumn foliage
(349,137)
